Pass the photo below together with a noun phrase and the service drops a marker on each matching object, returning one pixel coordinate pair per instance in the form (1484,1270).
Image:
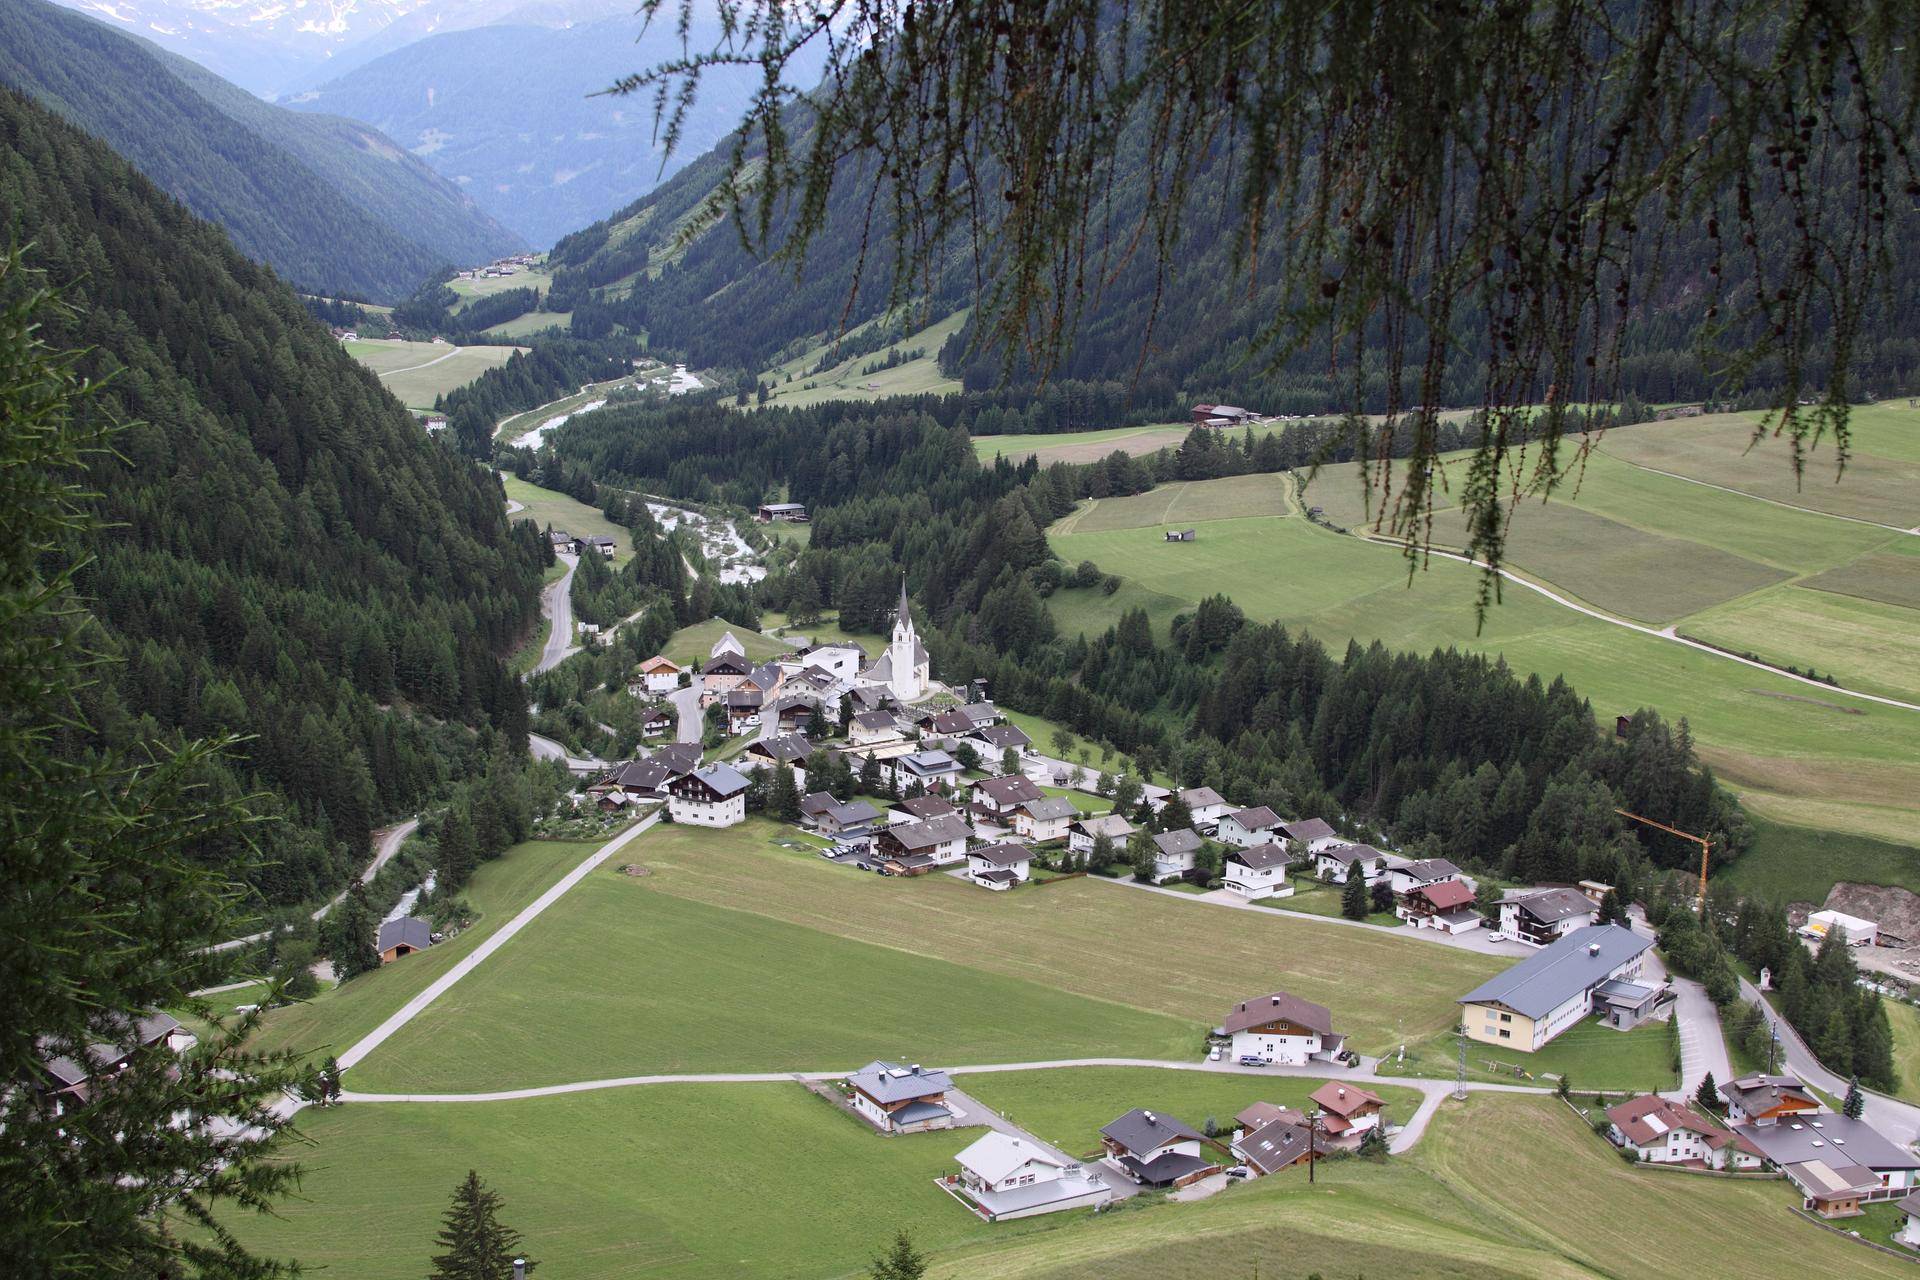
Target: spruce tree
(1707,1096)
(476,1244)
(900,1261)
(453,853)
(1856,1102)
(783,797)
(1353,898)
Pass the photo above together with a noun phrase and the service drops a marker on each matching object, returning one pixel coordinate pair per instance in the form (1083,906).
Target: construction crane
(1699,903)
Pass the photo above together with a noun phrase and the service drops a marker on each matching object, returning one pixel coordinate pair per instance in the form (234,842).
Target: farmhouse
(1544,917)
(1248,827)
(1659,1131)
(598,542)
(724,672)
(792,714)
(788,512)
(790,749)
(715,796)
(1767,1100)
(660,674)
(1313,834)
(562,542)
(1173,854)
(68,1080)
(914,848)
(1446,905)
(402,937)
(1591,970)
(1259,872)
(1282,1030)
(1000,866)
(981,714)
(900,1099)
(1217,415)
(743,709)
(644,779)
(1206,806)
(1005,1177)
(1154,1150)
(1082,834)
(873,729)
(1044,819)
(1347,1111)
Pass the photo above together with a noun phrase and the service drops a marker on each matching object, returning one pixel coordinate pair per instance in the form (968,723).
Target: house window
(1505,1034)
(1506,1017)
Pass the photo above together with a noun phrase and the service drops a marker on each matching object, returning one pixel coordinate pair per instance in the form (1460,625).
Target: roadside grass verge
(1589,1055)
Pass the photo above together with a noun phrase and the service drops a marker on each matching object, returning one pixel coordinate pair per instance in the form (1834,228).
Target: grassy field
(487,286)
(695,643)
(532,322)
(1799,864)
(1890,578)
(418,373)
(545,507)
(1324,900)
(1590,1056)
(335,1019)
(627,1184)
(1066,1107)
(617,979)
(1182,503)
(1081,446)
(845,381)
(1906,1047)
(1876,645)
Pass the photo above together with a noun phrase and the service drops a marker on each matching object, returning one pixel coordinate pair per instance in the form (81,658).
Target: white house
(1259,872)
(1347,1111)
(1657,1130)
(660,674)
(1154,1149)
(1312,834)
(1909,1232)
(1206,806)
(996,798)
(895,1098)
(1044,819)
(1545,916)
(873,729)
(790,749)
(1004,1177)
(1082,834)
(1282,1029)
(715,796)
(839,659)
(1337,861)
(1000,866)
(1174,853)
(1248,827)
(913,848)
(1590,970)
(1408,876)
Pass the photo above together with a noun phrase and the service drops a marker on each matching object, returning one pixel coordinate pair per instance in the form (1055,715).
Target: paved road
(506,932)
(1476,940)
(556,605)
(389,844)
(687,702)
(969,1110)
(547,749)
(1703,1047)
(1897,1120)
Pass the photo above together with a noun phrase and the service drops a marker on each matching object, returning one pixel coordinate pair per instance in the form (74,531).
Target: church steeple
(900,615)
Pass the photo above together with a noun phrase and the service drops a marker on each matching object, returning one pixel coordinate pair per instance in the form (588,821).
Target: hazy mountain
(328,203)
(509,113)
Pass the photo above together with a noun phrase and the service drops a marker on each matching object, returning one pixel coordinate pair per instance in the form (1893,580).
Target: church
(903,669)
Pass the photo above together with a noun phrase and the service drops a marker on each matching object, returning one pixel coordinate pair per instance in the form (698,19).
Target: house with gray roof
(1206,806)
(1259,872)
(402,937)
(1045,819)
(1174,853)
(1001,865)
(1406,876)
(1003,1177)
(1834,1159)
(898,1098)
(915,848)
(1155,1149)
(1313,833)
(998,737)
(1336,862)
(715,796)
(1591,970)
(873,729)
(1248,827)
(1282,1029)
(1545,916)
(1082,834)
(833,817)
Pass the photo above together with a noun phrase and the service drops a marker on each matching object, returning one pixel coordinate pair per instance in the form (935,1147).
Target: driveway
(687,702)
(556,605)
(971,1111)
(1702,1046)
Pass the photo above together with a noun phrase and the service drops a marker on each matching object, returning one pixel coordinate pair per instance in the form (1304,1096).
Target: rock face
(1896,911)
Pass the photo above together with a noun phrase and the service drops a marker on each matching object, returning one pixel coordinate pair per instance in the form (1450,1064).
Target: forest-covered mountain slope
(330,204)
(283,553)
(659,267)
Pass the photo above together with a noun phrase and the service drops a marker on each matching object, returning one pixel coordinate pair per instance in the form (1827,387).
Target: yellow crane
(1700,902)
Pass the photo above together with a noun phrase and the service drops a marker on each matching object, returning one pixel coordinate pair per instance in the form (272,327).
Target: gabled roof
(1013,789)
(1258,818)
(1260,857)
(408,931)
(924,807)
(1307,830)
(1555,974)
(1004,854)
(952,722)
(1444,895)
(1274,1145)
(1049,808)
(1761,1093)
(1429,869)
(1175,843)
(1280,1006)
(995,1155)
(981,712)
(876,720)
(641,775)
(1111,825)
(1650,1118)
(1550,906)
(724,780)
(1003,736)
(745,697)
(894,1082)
(656,715)
(784,748)
(916,836)
(680,757)
(1345,1100)
(727,643)
(658,662)
(1201,797)
(1141,1130)
(1348,854)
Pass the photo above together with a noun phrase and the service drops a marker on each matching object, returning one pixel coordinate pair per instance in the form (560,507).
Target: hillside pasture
(1184,503)
(1875,647)
(532,322)
(847,381)
(487,286)
(1081,446)
(695,643)
(1891,577)
(1721,449)
(551,509)
(418,373)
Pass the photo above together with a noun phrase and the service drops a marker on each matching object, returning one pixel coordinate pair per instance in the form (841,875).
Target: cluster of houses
(1837,1163)
(567,544)
(72,1081)
(508,266)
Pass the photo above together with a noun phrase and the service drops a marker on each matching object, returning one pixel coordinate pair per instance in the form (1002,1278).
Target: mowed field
(1790,584)
(551,509)
(736,954)
(418,373)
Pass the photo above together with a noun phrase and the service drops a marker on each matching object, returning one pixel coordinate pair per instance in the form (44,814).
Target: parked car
(1239,1171)
(1252,1060)
(1215,1054)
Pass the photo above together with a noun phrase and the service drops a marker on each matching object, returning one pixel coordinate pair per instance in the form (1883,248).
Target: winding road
(556,605)
(388,845)
(1893,1118)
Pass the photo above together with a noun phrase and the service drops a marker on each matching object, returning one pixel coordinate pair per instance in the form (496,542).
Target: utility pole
(1773,1042)
(1700,902)
(1313,1119)
(1460,1071)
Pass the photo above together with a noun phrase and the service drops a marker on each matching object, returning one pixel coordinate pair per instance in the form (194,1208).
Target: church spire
(900,615)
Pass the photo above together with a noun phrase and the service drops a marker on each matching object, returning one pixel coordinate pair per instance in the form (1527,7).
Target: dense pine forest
(331,204)
(284,556)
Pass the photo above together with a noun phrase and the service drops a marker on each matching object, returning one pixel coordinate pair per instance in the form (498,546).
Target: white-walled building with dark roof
(1592,970)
